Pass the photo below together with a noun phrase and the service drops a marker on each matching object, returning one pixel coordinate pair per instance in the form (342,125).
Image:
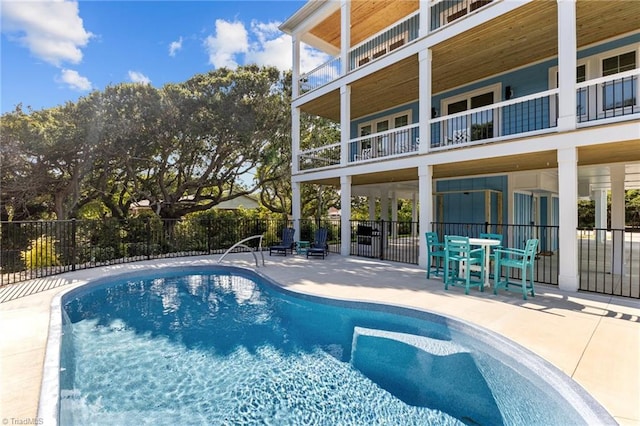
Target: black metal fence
(387,240)
(610,261)
(33,249)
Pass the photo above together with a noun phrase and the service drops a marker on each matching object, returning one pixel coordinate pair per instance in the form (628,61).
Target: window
(470,127)
(377,48)
(622,92)
(388,143)
(581,95)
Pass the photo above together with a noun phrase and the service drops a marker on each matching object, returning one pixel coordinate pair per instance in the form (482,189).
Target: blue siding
(411,106)
(470,208)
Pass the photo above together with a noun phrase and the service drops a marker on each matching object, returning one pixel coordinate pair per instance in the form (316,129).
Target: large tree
(185,147)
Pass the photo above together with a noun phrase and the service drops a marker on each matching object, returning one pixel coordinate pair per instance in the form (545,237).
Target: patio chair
(522,260)
(319,245)
(285,244)
(435,255)
(458,252)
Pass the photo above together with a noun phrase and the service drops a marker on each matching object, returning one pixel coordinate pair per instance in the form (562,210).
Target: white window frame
(593,70)
(496,89)
(382,141)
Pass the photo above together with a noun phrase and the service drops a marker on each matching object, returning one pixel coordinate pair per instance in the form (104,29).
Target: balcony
(599,101)
(371,49)
(443,12)
(390,143)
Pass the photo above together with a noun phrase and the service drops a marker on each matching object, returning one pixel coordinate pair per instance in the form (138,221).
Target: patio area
(594,339)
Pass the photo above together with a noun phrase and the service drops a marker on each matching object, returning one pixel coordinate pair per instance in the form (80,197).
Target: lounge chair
(285,244)
(319,246)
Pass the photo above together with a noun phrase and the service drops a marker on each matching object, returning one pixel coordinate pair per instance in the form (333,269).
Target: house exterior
(487,111)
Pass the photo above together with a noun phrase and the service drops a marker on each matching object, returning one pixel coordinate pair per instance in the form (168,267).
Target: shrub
(41,253)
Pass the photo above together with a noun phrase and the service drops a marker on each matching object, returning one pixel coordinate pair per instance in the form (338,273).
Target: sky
(54,51)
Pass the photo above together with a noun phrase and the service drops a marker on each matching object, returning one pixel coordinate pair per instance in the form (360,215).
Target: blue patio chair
(460,255)
(435,255)
(319,245)
(286,243)
(522,260)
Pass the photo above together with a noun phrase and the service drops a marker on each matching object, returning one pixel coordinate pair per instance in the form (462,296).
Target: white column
(425,197)
(567,62)
(345,124)
(295,208)
(568,278)
(424,99)
(295,140)
(394,213)
(617,173)
(600,198)
(414,214)
(425,18)
(372,206)
(384,204)
(295,74)
(345,35)
(345,215)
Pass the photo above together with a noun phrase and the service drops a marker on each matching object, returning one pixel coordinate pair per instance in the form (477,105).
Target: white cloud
(269,46)
(74,80)
(230,40)
(52,30)
(175,46)
(138,77)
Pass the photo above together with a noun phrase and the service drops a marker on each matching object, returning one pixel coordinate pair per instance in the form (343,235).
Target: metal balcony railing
(318,158)
(373,48)
(608,97)
(445,12)
(526,115)
(320,76)
(384,42)
(390,143)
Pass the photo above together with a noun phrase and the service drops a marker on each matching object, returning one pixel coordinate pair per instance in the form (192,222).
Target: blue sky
(58,51)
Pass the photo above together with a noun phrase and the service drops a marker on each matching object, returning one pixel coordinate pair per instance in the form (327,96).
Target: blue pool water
(225,346)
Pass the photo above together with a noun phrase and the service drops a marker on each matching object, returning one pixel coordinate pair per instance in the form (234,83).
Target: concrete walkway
(594,339)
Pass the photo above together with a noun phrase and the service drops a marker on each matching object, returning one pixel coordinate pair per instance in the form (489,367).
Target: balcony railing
(390,143)
(385,42)
(608,97)
(445,12)
(599,101)
(526,115)
(320,76)
(318,158)
(373,48)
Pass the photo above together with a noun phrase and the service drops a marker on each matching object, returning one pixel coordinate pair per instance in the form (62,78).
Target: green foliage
(41,253)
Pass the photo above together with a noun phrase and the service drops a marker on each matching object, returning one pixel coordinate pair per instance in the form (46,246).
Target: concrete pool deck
(594,339)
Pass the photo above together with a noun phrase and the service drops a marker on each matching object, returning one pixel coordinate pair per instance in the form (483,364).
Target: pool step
(425,372)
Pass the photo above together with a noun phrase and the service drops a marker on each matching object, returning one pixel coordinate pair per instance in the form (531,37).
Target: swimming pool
(224,345)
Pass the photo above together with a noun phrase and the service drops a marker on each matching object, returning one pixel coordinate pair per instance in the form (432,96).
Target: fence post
(73,244)
(383,237)
(209,235)
(147,223)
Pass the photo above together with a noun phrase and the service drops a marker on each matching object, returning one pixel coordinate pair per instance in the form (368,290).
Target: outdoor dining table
(486,244)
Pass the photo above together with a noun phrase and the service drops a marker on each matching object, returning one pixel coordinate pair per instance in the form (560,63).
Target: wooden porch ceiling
(526,35)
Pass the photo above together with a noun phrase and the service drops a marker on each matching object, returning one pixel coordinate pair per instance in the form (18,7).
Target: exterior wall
(470,208)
